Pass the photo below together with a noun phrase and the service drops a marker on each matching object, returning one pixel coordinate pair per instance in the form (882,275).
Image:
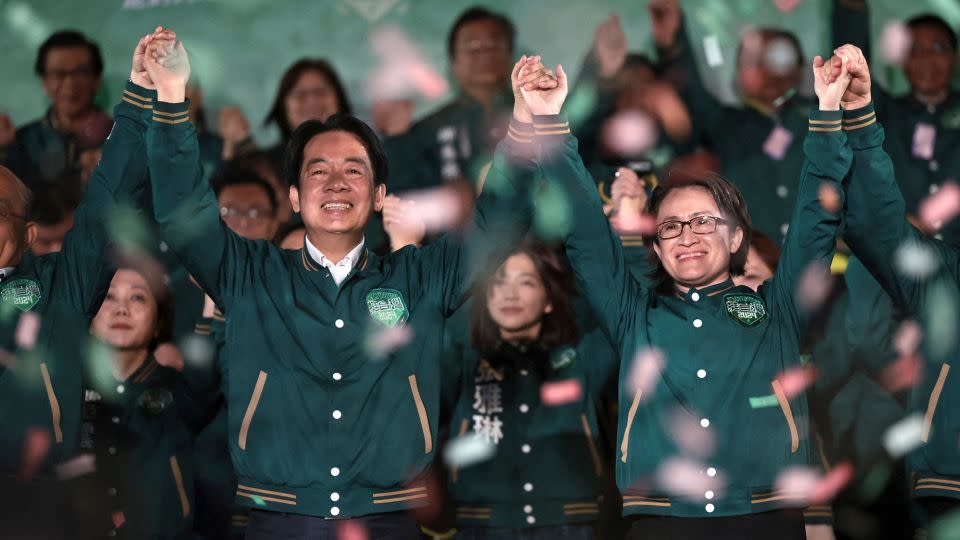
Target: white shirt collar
(338,270)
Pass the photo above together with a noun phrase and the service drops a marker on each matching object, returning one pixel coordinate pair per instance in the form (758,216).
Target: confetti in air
(198,351)
(787,6)
(902,437)
(382,341)
(941,207)
(915,259)
(351,530)
(685,478)
(645,371)
(829,197)
(780,57)
(691,433)
(35,450)
(895,42)
(630,133)
(808,485)
(908,336)
(814,286)
(468,450)
(27,328)
(402,71)
(793,381)
(560,392)
(79,466)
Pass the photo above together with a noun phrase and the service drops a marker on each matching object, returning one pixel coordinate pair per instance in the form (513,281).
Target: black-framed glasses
(699,225)
(253,213)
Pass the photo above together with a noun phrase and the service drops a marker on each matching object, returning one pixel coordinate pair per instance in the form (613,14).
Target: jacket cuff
(862,128)
(551,127)
(171,113)
(136,100)
(826,144)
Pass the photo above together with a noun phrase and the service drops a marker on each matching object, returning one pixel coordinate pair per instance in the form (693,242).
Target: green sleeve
(594,250)
(604,363)
(876,215)
(185,207)
(119,179)
(501,216)
(679,66)
(850,23)
(811,237)
(592,101)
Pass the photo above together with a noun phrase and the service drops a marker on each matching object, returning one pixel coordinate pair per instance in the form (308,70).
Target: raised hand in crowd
(858,91)
(402,223)
(537,90)
(831,79)
(610,46)
(168,67)
(234,130)
(629,198)
(392,116)
(161,37)
(536,76)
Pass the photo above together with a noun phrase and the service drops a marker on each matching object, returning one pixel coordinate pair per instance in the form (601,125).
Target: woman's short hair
(733,208)
(559,326)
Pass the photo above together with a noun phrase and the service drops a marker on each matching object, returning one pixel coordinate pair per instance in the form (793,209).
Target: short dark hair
(477,13)
(67,39)
(278,111)
(559,326)
(929,19)
(237,175)
(293,154)
(52,203)
(730,202)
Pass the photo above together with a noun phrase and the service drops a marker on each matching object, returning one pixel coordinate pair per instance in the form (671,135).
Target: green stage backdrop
(240,47)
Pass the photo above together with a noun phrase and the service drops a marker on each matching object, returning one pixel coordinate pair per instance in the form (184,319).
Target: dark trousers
(779,524)
(278,525)
(552,532)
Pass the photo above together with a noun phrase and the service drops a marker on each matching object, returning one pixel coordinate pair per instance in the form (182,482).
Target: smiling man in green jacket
(322,428)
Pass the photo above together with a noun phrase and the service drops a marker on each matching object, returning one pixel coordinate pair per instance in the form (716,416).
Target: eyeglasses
(253,213)
(699,225)
(478,46)
(82,72)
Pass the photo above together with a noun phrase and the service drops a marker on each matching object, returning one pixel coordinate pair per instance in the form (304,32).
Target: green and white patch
(563,358)
(387,307)
(746,309)
(22,293)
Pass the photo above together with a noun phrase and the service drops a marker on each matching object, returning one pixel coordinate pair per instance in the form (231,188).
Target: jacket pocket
(625,444)
(251,409)
(422,413)
(54,404)
(178,481)
(934,400)
(788,414)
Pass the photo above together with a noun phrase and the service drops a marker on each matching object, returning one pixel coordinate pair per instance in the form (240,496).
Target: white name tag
(924,139)
(778,142)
